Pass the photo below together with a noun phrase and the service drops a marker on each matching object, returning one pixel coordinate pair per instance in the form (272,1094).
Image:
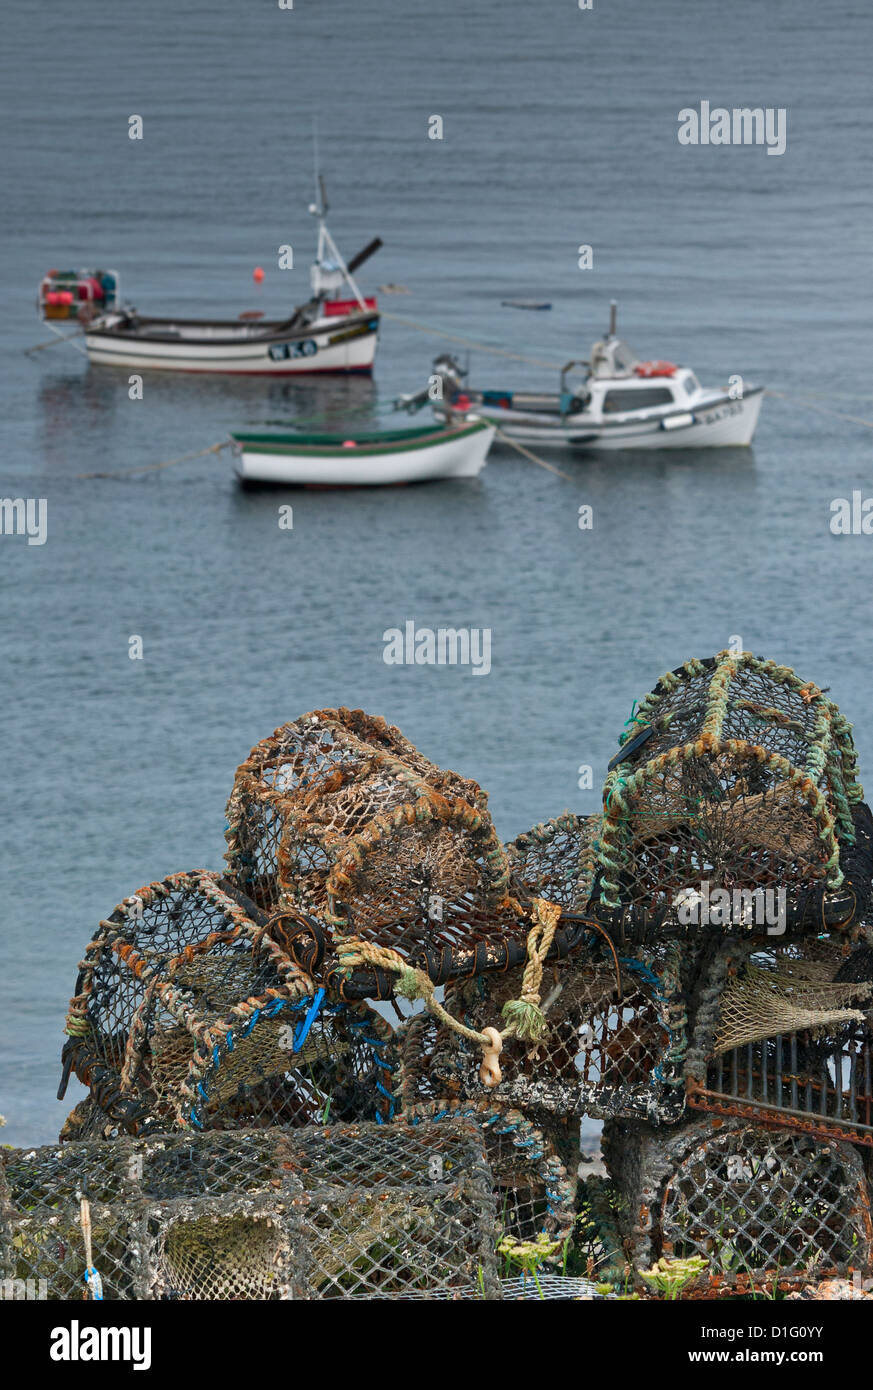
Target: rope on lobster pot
(524,1016)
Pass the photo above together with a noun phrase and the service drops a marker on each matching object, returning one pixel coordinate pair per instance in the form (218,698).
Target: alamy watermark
(742,907)
(852,517)
(442,646)
(27,1290)
(25,516)
(741,125)
(78,1343)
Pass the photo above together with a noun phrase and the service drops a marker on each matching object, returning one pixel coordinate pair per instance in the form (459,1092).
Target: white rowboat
(367,460)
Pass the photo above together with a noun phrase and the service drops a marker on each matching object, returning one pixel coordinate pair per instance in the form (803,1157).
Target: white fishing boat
(457,449)
(335,331)
(615,401)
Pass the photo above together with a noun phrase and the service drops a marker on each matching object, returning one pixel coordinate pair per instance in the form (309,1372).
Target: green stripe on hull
(380,442)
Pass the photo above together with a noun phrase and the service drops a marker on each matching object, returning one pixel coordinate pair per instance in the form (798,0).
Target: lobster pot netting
(348,1212)
(553,860)
(613,1043)
(762,1207)
(187,1014)
(420,1084)
(531,1192)
(309,788)
(786,1031)
(353,840)
(734,802)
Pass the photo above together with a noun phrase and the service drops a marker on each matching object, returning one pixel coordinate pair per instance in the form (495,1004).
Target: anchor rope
(155,467)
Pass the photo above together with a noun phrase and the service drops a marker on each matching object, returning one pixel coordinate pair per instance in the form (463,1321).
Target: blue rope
(303,1030)
(251,1023)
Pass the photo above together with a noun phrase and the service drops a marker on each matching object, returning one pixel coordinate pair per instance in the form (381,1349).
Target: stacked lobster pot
(357,871)
(344,1211)
(382,875)
(692,966)
(734,828)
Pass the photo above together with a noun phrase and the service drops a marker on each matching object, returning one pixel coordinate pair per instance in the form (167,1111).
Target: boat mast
(326,242)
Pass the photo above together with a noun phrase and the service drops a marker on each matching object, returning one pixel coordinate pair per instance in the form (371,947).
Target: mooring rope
(469,342)
(52,342)
(513,444)
(821,409)
(155,467)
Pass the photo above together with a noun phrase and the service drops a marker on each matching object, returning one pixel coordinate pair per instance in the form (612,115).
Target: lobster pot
(405,1211)
(613,1045)
(785,1032)
(347,1212)
(42,1246)
(345,833)
(303,793)
(531,1192)
(553,860)
(732,804)
(189,1015)
(765,1208)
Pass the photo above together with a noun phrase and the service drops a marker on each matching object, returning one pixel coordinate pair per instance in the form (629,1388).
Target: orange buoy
(660,368)
(258,274)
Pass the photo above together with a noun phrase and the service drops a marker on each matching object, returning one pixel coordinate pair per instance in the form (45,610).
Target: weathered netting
(187,1013)
(352,839)
(600,1053)
(356,1211)
(762,1207)
(548,1287)
(785,1032)
(734,776)
(532,1194)
(552,859)
(760,1003)
(419,1083)
(305,791)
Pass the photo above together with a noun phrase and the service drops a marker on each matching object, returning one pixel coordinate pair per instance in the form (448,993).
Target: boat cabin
(617,382)
(612,383)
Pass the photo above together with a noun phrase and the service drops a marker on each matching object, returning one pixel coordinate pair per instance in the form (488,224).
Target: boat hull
(722,423)
(345,345)
(457,452)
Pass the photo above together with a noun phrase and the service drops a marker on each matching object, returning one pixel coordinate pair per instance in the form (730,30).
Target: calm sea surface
(559,129)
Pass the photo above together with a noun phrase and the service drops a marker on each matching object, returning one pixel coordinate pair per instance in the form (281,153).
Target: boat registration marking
(722,412)
(306,347)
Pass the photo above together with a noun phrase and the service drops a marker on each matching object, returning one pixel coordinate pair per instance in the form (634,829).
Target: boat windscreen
(612,358)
